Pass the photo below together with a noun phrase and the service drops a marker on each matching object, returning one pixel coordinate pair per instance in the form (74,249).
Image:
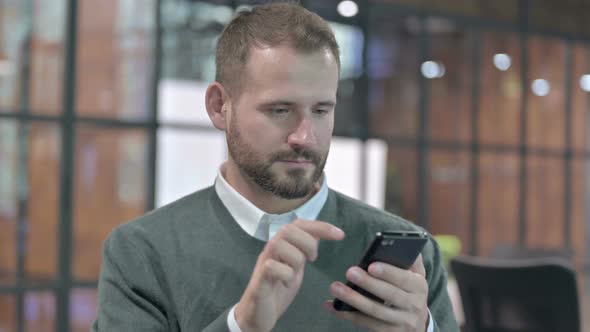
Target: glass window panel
(183,101)
(39,312)
(187,161)
(109,189)
(545,114)
(500,89)
(43,202)
(401,184)
(44,52)
(83,309)
(7,251)
(39,211)
(8,313)
(189,39)
(449,193)
(545,202)
(580,96)
(190,32)
(114,69)
(580,231)
(498,205)
(448,72)
(8,200)
(13,27)
(350,39)
(47,53)
(343,167)
(393,69)
(376,172)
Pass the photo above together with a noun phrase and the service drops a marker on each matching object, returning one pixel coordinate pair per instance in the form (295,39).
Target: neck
(261,198)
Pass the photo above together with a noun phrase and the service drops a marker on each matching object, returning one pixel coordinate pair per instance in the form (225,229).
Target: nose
(303,134)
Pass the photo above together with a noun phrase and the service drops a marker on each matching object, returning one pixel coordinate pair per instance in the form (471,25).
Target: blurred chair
(517,295)
(510,251)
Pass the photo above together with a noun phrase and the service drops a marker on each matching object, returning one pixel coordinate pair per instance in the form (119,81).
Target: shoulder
(357,211)
(162,224)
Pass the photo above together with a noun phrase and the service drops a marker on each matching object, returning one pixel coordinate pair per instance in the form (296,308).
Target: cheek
(251,126)
(324,143)
(263,138)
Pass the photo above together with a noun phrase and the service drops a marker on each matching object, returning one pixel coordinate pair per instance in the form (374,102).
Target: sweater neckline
(241,238)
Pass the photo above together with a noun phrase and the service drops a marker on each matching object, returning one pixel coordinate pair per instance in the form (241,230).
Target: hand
(278,273)
(405,292)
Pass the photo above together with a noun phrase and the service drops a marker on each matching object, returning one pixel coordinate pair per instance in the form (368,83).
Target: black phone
(396,248)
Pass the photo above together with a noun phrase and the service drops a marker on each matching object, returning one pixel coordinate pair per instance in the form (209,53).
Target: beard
(257,166)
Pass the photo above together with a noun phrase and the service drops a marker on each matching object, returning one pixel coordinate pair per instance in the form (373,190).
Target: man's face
(280,125)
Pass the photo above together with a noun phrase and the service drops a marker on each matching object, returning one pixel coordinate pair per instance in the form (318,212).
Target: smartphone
(396,248)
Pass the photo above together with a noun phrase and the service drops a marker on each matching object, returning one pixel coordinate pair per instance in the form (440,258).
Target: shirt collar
(249,216)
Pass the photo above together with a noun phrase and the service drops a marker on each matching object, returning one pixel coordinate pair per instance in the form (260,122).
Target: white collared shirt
(258,223)
(264,226)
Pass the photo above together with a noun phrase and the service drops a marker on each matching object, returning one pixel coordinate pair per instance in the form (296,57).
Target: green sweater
(183,266)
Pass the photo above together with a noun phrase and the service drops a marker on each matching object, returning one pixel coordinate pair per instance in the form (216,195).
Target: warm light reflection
(348,8)
(541,87)
(502,61)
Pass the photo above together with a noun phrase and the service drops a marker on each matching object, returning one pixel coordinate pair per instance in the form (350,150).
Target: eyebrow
(327,103)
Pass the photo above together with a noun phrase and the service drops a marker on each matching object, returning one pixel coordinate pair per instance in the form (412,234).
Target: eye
(279,111)
(321,111)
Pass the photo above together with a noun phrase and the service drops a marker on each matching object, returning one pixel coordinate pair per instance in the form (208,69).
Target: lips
(300,157)
(297,161)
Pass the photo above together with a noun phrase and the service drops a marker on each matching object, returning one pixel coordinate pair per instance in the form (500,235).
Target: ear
(217,102)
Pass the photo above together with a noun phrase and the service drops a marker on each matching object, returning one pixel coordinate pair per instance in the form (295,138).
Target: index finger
(320,229)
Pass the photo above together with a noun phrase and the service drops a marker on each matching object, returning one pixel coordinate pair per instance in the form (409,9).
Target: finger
(406,323)
(320,229)
(406,280)
(364,304)
(285,252)
(361,320)
(418,266)
(302,240)
(385,291)
(277,271)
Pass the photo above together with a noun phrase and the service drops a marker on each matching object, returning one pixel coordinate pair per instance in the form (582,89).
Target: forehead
(282,71)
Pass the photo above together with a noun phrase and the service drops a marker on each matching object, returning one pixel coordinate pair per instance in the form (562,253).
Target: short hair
(269,25)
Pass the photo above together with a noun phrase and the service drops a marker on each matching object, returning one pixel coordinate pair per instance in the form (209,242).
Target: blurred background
(467,117)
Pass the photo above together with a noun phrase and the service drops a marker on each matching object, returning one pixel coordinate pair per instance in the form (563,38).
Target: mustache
(297,154)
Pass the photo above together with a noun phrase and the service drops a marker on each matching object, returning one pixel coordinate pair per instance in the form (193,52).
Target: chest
(215,283)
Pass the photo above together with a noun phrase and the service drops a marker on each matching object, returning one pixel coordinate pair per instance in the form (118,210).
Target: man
(269,244)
